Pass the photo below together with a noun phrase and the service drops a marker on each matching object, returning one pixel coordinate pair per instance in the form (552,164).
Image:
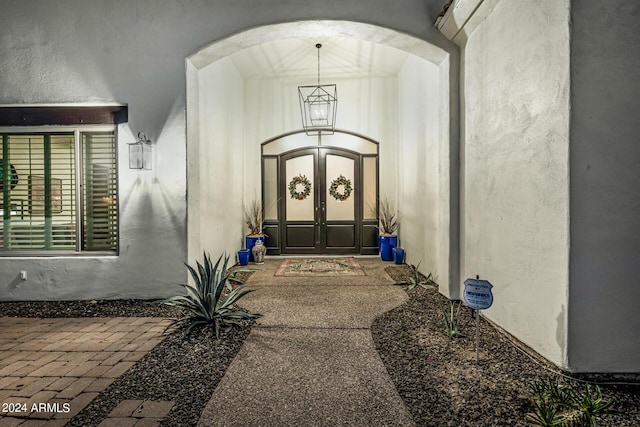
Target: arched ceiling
(298,58)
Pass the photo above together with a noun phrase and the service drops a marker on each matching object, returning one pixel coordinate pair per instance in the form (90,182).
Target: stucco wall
(220,160)
(92,52)
(418,167)
(130,52)
(516,189)
(604,327)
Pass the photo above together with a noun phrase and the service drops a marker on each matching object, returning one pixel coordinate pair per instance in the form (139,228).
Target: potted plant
(254,218)
(389,221)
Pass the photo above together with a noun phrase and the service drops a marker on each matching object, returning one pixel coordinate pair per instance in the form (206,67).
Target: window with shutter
(44,210)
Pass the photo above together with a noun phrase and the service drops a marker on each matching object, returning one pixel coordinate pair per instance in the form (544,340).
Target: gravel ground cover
(440,381)
(109,308)
(437,376)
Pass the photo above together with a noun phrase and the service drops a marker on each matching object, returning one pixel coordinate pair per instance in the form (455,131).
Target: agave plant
(452,320)
(588,408)
(211,299)
(560,405)
(550,390)
(545,414)
(416,279)
(549,396)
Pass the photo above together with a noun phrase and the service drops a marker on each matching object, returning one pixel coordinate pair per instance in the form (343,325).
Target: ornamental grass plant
(388,216)
(254,217)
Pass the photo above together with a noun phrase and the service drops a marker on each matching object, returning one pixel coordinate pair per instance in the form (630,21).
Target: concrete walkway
(311,359)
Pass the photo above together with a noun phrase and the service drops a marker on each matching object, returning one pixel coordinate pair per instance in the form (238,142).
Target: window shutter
(63,189)
(100,191)
(41,207)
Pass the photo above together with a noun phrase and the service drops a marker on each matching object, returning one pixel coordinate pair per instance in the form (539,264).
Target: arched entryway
(237,101)
(320,193)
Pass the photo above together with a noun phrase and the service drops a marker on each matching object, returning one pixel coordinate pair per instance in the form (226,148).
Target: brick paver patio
(50,369)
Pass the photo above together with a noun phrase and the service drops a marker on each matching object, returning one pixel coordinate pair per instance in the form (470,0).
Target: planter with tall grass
(254,219)
(389,219)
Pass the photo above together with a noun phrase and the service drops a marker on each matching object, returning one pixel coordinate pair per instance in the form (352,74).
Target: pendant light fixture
(318,106)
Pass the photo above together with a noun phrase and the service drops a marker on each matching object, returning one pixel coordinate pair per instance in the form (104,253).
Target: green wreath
(346,183)
(293,187)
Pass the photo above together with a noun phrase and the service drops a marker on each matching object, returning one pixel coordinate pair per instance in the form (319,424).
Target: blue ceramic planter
(387,243)
(398,255)
(243,256)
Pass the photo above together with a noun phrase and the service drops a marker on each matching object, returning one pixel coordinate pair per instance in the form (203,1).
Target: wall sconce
(140,153)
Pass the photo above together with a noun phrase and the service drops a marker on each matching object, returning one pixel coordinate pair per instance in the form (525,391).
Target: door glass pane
(299,180)
(369,187)
(271,188)
(340,188)
(288,143)
(350,142)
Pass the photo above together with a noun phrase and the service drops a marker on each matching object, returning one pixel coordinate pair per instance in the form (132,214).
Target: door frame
(366,232)
(321,226)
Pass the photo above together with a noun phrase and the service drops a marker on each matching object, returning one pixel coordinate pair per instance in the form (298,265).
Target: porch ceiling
(297,58)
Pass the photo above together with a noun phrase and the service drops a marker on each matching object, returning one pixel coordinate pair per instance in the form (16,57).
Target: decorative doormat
(344,266)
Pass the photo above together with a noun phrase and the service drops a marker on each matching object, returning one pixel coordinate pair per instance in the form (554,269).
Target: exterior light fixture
(140,153)
(318,106)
